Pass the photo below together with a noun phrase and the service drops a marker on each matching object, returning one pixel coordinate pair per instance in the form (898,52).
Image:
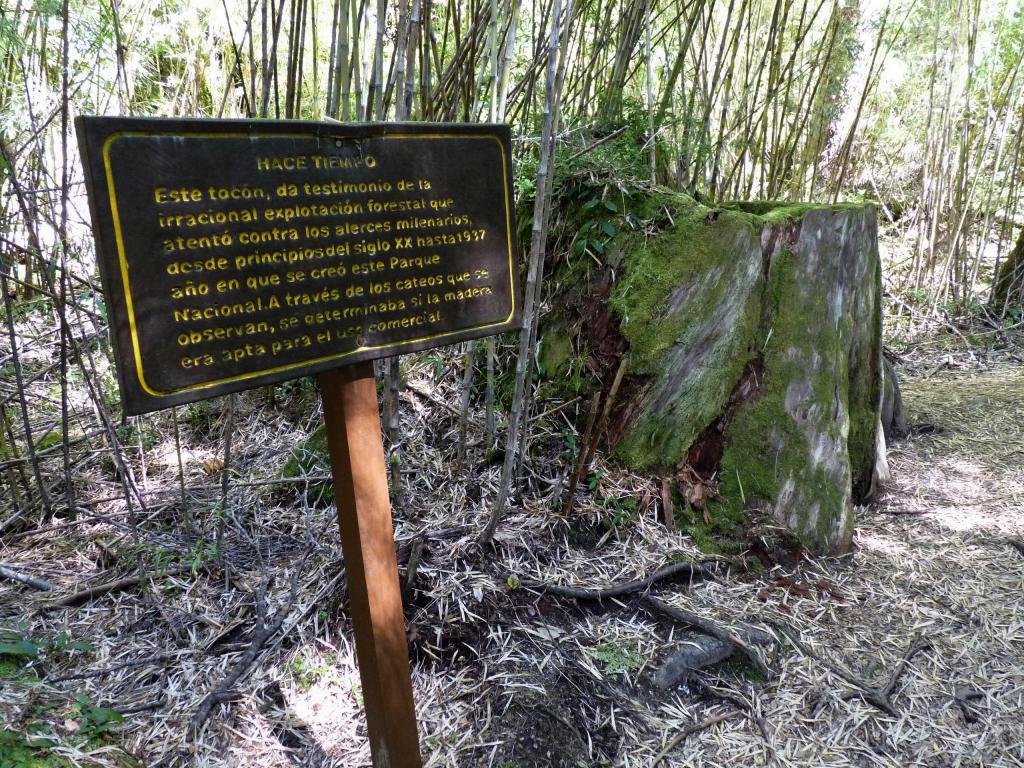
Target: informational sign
(236,253)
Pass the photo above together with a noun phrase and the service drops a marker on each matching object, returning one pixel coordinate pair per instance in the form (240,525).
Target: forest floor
(506,673)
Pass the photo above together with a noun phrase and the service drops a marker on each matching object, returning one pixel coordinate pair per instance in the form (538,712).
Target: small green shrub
(616,657)
(94,721)
(25,750)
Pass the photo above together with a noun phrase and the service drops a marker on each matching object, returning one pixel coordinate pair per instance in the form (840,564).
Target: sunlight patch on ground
(326,696)
(884,546)
(963,465)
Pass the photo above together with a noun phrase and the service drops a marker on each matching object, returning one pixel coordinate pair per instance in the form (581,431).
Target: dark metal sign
(236,253)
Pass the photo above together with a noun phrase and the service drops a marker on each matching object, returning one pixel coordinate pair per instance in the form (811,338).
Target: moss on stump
(754,341)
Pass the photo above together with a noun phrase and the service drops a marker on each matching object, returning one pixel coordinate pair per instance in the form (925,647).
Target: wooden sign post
(368,545)
(239,253)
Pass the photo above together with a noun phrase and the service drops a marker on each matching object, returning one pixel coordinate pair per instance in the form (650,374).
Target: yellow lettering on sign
(289,163)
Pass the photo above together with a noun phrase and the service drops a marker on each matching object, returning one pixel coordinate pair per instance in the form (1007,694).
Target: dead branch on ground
(89,593)
(30,581)
(160,658)
(638,585)
(880,698)
(264,631)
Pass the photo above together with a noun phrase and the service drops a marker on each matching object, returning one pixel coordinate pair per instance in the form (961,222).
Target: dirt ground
(508,675)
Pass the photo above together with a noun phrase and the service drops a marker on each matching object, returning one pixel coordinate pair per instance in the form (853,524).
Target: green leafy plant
(49,440)
(570,451)
(94,721)
(22,750)
(621,511)
(18,646)
(65,644)
(437,362)
(200,552)
(309,671)
(297,390)
(599,225)
(163,558)
(158,557)
(616,657)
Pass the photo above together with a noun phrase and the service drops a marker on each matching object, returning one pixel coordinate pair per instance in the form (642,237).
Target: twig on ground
(314,604)
(415,556)
(880,698)
(688,731)
(440,534)
(426,394)
(158,659)
(708,627)
(917,645)
(149,706)
(113,586)
(964,697)
(17,523)
(264,631)
(30,581)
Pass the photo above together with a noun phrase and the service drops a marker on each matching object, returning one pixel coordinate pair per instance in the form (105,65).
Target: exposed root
(669,571)
(708,627)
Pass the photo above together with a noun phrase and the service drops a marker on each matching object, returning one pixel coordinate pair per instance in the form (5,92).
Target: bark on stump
(754,371)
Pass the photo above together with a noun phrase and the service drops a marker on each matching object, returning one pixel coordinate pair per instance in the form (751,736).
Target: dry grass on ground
(505,675)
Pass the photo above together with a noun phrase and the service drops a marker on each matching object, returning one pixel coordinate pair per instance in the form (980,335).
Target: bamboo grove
(915,103)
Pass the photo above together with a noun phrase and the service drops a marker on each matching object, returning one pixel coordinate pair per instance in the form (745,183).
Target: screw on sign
(238,253)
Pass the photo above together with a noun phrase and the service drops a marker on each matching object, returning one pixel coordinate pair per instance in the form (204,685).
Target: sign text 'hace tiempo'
(236,253)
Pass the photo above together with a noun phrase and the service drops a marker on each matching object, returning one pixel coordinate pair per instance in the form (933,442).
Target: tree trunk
(754,371)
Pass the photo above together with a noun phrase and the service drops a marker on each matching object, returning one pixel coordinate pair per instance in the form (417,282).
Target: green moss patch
(19,750)
(689,303)
(311,457)
(775,211)
(766,448)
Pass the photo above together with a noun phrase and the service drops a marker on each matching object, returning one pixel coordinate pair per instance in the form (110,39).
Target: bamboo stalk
(374,98)
(534,273)
(412,46)
(653,158)
(12,462)
(44,495)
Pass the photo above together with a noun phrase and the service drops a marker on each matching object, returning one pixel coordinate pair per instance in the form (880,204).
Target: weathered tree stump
(1008,287)
(753,336)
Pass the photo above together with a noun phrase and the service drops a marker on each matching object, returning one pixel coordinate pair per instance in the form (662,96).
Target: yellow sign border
(123,261)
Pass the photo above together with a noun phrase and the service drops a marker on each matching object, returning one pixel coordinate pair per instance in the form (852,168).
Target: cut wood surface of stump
(754,340)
